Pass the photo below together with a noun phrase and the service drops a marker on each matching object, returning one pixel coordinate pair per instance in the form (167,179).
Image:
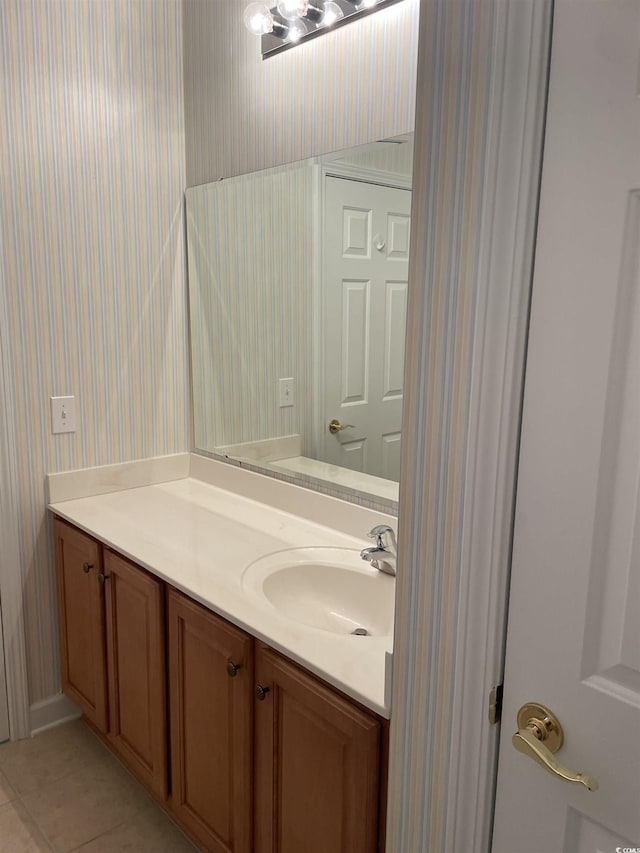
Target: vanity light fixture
(292,21)
(258,19)
(292,9)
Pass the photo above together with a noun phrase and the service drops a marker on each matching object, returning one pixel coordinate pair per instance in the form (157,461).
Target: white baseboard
(52,712)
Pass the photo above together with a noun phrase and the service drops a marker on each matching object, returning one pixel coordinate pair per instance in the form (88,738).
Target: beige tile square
(32,763)
(151,831)
(7,793)
(86,803)
(18,832)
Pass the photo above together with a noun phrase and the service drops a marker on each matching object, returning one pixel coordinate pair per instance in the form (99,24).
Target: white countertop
(199,538)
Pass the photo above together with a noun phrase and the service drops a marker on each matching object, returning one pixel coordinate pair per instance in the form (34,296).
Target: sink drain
(360,632)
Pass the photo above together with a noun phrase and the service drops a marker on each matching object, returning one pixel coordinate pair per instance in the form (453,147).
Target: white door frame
(11,581)
(330,169)
(461,426)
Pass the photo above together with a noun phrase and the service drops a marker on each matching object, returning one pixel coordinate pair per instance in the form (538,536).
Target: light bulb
(292,9)
(332,13)
(296,30)
(258,19)
(367,4)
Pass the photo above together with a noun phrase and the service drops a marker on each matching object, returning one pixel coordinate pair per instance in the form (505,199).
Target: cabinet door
(137,681)
(210,702)
(78,560)
(317,765)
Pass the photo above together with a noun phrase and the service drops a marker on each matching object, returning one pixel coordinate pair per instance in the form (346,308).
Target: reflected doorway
(365,274)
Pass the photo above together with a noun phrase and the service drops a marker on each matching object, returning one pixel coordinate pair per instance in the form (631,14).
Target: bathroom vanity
(256,732)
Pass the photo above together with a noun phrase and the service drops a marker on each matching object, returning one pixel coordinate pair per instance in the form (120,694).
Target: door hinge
(495,704)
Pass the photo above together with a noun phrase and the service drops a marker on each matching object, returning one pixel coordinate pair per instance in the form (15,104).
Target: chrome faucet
(384,553)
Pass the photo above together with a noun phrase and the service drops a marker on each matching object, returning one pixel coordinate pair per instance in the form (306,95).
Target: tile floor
(63,790)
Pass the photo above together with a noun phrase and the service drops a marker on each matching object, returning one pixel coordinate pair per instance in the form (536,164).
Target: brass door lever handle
(335,426)
(539,735)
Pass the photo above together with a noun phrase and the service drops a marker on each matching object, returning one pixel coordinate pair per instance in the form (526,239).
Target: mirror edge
(354,496)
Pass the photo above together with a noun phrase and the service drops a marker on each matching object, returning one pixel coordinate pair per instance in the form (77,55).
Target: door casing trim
(442,683)
(11,580)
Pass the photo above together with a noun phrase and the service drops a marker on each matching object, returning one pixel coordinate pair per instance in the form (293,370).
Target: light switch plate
(286,392)
(63,414)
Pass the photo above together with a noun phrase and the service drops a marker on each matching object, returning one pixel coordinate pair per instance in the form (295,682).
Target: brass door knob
(335,426)
(86,567)
(232,668)
(539,735)
(261,692)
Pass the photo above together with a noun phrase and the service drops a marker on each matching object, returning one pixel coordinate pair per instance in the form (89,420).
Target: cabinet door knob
(261,692)
(86,567)
(232,668)
(102,578)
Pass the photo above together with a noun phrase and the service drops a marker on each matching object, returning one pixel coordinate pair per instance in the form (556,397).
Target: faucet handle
(379,532)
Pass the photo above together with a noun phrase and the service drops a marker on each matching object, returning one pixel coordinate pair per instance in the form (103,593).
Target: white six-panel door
(366,259)
(573,639)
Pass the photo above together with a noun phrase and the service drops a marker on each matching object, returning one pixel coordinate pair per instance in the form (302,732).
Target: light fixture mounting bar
(352,11)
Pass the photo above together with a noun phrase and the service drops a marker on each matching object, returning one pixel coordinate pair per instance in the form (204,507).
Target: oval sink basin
(328,588)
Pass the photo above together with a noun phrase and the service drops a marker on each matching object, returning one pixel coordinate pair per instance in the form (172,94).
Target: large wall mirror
(298,293)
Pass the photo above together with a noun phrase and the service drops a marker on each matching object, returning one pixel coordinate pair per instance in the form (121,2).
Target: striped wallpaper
(243,113)
(93,171)
(251,262)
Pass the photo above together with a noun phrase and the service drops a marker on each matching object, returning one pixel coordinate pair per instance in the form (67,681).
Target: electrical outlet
(63,414)
(286,392)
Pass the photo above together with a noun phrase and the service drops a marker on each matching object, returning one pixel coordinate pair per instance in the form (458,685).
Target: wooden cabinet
(249,752)
(81,621)
(317,764)
(210,690)
(135,623)
(112,650)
